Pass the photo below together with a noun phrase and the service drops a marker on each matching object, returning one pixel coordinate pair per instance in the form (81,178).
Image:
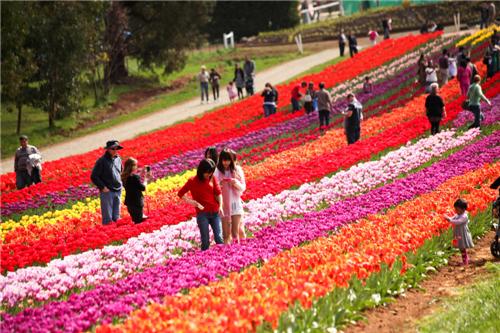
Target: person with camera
(134,199)
(270,95)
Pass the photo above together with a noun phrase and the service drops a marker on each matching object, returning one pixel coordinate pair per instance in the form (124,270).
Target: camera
(148,168)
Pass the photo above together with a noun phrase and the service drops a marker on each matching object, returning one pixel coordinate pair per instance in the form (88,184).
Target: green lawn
(475,310)
(35,121)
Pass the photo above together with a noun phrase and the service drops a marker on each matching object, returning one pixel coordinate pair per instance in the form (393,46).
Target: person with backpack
(352,119)
(443,68)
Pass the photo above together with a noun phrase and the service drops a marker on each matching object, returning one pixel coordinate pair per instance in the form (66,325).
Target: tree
(59,39)
(248,18)
(155,33)
(18,64)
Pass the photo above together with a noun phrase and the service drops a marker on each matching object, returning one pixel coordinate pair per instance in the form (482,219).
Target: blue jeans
(110,206)
(205,219)
(204,90)
(269,110)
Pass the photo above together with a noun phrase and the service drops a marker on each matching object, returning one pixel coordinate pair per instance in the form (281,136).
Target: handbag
(466,105)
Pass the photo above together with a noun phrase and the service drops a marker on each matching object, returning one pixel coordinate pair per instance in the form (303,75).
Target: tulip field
(331,229)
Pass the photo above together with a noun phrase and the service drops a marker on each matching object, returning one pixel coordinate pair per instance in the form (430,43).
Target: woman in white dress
(232,182)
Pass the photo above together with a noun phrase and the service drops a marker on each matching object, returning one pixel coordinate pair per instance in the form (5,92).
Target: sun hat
(113,144)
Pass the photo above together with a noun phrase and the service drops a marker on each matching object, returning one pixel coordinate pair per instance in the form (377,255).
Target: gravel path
(171,115)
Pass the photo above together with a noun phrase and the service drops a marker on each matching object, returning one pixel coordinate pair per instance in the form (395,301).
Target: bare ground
(403,314)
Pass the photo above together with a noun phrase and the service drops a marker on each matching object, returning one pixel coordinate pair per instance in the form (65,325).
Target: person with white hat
(204,78)
(106,175)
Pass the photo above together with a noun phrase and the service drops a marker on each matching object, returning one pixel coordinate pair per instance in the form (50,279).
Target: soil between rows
(403,314)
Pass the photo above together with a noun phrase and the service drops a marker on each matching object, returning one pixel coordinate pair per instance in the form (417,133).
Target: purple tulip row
(190,159)
(108,300)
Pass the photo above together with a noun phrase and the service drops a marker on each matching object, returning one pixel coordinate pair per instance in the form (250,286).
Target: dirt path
(402,315)
(171,115)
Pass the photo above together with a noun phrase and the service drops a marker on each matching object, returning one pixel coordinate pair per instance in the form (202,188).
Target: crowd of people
(215,190)
(432,77)
(243,79)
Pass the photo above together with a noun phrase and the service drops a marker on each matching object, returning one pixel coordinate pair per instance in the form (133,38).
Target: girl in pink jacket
(463,76)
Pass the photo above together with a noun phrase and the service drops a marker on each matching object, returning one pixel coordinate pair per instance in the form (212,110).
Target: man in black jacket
(106,175)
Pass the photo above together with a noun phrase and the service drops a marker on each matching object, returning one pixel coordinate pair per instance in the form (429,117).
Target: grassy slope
(35,121)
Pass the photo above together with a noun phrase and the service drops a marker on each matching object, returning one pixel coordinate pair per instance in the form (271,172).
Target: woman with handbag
(207,200)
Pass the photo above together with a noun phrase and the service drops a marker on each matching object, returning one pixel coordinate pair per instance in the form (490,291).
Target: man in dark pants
(21,160)
(352,120)
(324,106)
(106,175)
(353,44)
(342,42)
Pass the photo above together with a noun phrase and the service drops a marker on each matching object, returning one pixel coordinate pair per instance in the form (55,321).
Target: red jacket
(204,192)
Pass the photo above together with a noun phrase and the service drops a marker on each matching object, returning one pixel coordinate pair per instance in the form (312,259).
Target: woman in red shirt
(207,200)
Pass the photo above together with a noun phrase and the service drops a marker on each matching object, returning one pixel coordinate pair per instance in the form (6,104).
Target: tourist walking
(204,78)
(353,116)
(372,36)
(462,238)
(309,98)
(430,76)
(434,108)
(353,44)
(463,76)
(207,200)
(324,106)
(27,164)
(387,27)
(214,82)
(475,95)
(232,183)
(270,96)
(296,96)
(239,79)
(134,199)
(342,41)
(249,70)
(231,91)
(106,175)
(444,66)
